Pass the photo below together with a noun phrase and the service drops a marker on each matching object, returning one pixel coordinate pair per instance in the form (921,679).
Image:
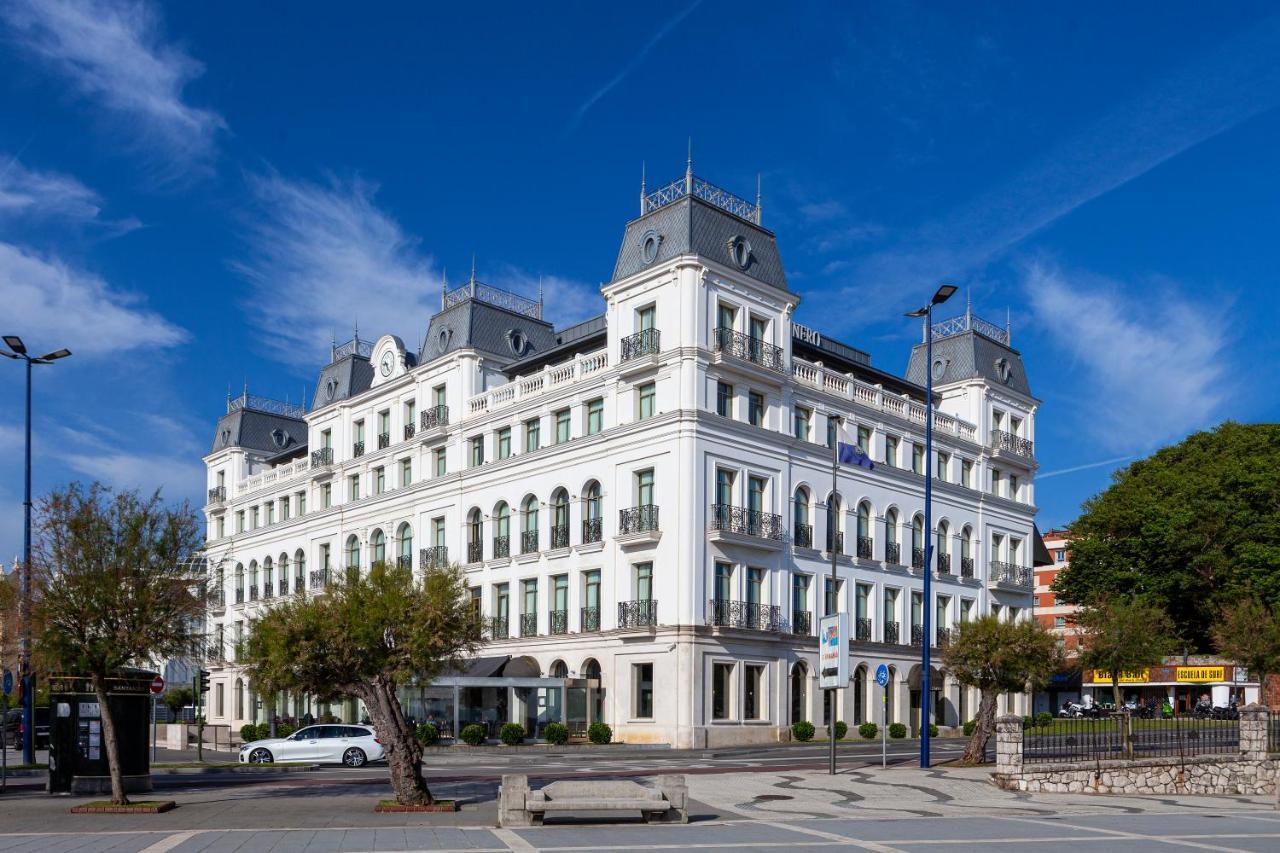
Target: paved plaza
(863,808)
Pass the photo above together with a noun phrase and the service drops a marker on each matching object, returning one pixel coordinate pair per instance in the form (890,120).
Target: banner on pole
(833,651)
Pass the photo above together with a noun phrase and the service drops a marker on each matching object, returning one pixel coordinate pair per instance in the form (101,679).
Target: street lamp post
(19,352)
(943,294)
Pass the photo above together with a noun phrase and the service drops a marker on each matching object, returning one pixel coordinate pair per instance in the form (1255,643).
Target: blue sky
(199,195)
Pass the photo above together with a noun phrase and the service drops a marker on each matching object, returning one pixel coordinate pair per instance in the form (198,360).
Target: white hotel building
(642,503)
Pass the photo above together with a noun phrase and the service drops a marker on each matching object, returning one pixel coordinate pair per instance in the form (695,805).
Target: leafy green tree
(1248,632)
(115,589)
(364,637)
(1192,528)
(177,698)
(998,657)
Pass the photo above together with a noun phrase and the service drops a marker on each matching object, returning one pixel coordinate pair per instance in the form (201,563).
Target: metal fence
(1273,733)
(1090,739)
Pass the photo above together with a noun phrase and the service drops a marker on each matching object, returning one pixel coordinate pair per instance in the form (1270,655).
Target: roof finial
(1008,326)
(473,274)
(688,170)
(539,289)
(759,205)
(642,187)
(444,288)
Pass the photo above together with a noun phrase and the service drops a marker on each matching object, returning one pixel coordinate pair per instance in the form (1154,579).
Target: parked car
(13,727)
(353,746)
(11,723)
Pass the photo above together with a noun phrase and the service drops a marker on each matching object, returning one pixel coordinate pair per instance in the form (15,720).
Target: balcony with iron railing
(642,343)
(834,543)
(435,557)
(559,536)
(528,624)
(917,559)
(528,542)
(589,619)
(299,583)
(942,638)
(559,622)
(410,430)
(746,348)
(802,536)
(253,592)
(475,552)
(917,635)
(436,417)
(384,440)
(357,449)
(866,547)
(862,629)
(267,590)
(638,519)
(801,622)
(891,633)
(322,457)
(1008,442)
(723,613)
(404,561)
(495,628)
(766,526)
(638,614)
(592,530)
(944,564)
(893,553)
(284,585)
(501,547)
(1009,575)
(319,578)
(218,494)
(966,567)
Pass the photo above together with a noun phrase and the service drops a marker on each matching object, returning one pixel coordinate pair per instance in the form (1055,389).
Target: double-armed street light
(944,293)
(18,351)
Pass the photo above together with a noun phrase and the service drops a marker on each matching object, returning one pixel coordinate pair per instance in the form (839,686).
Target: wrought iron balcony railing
(747,348)
(436,416)
(590,619)
(357,449)
(893,554)
(559,536)
(239,595)
(744,614)
(835,542)
(404,561)
(1002,440)
(865,547)
(1010,573)
(638,519)
(528,624)
(592,530)
(475,552)
(384,440)
(944,564)
(966,567)
(528,541)
(917,558)
(862,629)
(435,557)
(802,535)
(638,614)
(410,430)
(322,457)
(559,622)
(501,547)
(253,592)
(319,578)
(943,638)
(643,342)
(284,585)
(496,627)
(801,622)
(736,519)
(890,633)
(267,590)
(917,635)
(217,494)
(299,583)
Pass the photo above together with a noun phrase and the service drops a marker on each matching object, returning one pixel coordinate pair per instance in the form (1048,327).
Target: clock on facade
(387,364)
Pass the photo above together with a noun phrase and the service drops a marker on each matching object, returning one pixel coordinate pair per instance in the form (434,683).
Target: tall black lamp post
(943,294)
(19,352)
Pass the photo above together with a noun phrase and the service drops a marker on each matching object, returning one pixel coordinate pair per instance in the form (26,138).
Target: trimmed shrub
(969,727)
(285,729)
(556,733)
(842,729)
(427,734)
(248,732)
(511,734)
(1027,722)
(1044,718)
(868,730)
(933,730)
(897,730)
(473,734)
(802,730)
(600,733)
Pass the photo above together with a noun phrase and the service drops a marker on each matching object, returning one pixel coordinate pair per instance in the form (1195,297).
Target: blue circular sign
(882,675)
(8,682)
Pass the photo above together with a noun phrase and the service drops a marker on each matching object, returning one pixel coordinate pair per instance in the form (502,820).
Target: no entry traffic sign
(157,685)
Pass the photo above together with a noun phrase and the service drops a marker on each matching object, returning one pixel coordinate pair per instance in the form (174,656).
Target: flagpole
(833,526)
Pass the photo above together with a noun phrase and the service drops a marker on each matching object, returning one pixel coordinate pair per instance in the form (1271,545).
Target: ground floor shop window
(642,690)
(799,703)
(721,690)
(753,693)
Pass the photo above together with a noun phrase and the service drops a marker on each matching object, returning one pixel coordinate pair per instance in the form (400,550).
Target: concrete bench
(519,806)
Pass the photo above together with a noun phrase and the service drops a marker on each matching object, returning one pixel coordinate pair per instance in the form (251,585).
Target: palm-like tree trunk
(975,752)
(118,797)
(399,740)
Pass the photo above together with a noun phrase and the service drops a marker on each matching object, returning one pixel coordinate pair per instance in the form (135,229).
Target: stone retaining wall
(1251,772)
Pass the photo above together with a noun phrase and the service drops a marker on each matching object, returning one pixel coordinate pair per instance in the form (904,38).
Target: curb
(156,808)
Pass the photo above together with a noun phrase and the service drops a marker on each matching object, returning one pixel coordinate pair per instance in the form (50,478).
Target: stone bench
(520,806)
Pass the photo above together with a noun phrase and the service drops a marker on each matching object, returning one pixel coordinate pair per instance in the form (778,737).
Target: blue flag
(851,454)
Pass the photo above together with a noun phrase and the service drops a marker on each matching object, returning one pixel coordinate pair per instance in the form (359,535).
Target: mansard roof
(967,347)
(492,321)
(260,425)
(343,378)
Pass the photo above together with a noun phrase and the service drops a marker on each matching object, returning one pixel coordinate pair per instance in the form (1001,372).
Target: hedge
(842,729)
(897,730)
(868,730)
(473,734)
(556,733)
(427,734)
(802,730)
(600,733)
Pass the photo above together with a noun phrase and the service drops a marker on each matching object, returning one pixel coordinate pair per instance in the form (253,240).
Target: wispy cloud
(114,52)
(1153,369)
(65,306)
(1088,466)
(34,196)
(631,66)
(566,300)
(323,257)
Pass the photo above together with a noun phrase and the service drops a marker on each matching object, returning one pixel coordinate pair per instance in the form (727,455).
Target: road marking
(831,836)
(171,841)
(513,841)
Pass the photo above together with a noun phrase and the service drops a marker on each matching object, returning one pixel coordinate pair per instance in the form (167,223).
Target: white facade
(733,556)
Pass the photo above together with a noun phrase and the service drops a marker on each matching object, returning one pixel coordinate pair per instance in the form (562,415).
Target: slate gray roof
(970,355)
(692,226)
(488,328)
(344,378)
(260,431)
(577,338)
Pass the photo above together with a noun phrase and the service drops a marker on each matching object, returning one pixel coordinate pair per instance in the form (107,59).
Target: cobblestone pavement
(891,810)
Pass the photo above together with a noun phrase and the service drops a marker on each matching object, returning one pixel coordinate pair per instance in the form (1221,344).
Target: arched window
(864,530)
(253,580)
(404,539)
(353,552)
(966,552)
(268,573)
(529,525)
(592,526)
(239,582)
(802,530)
(835,539)
(943,560)
(283,570)
(891,695)
(299,569)
(559,669)
(377,548)
(560,519)
(892,548)
(591,668)
(860,695)
(502,530)
(475,536)
(917,542)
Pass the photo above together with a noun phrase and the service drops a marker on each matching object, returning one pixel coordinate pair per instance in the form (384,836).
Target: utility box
(77,739)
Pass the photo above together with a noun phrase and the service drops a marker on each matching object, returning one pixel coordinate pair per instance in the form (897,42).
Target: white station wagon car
(353,746)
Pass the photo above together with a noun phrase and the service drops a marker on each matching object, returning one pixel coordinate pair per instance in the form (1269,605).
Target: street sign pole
(157,687)
(882,678)
(7,684)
